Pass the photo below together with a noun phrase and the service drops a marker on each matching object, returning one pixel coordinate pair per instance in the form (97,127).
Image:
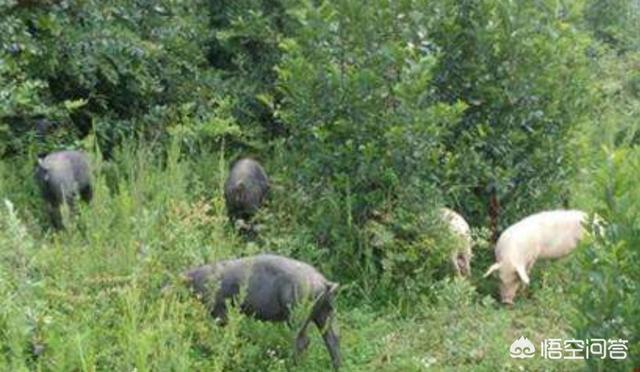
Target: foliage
(522,71)
(608,300)
(615,23)
(368,119)
(245,49)
(105,293)
(355,96)
(388,107)
(102,67)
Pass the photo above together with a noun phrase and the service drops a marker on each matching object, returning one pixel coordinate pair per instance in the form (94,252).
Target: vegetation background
(368,116)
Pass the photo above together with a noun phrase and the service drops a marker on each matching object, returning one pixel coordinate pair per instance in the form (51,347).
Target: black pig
(245,189)
(272,285)
(62,177)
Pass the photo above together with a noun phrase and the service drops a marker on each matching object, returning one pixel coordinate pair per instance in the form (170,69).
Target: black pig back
(245,188)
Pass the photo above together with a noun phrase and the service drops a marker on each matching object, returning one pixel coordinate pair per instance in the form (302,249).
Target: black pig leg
(324,321)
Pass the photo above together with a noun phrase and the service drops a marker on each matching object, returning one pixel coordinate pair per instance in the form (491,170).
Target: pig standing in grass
(461,257)
(245,189)
(272,285)
(62,177)
(546,235)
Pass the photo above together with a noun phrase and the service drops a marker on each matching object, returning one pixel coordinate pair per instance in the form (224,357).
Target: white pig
(461,257)
(546,235)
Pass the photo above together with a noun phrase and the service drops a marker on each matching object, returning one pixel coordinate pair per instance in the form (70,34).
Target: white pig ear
(493,268)
(522,273)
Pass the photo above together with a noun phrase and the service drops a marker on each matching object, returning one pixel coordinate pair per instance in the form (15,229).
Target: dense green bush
(245,48)
(396,109)
(614,23)
(104,68)
(607,289)
(356,100)
(521,69)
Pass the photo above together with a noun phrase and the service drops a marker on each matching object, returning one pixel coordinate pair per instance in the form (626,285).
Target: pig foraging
(62,177)
(272,286)
(544,235)
(461,257)
(245,189)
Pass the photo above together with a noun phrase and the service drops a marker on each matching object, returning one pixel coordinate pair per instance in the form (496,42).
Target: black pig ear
(41,163)
(41,157)
(332,288)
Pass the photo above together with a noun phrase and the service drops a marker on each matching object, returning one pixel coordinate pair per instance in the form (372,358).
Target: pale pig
(544,235)
(461,257)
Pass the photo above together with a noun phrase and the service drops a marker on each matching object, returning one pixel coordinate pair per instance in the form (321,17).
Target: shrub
(606,289)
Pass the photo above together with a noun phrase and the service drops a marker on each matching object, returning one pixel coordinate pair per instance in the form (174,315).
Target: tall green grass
(104,294)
